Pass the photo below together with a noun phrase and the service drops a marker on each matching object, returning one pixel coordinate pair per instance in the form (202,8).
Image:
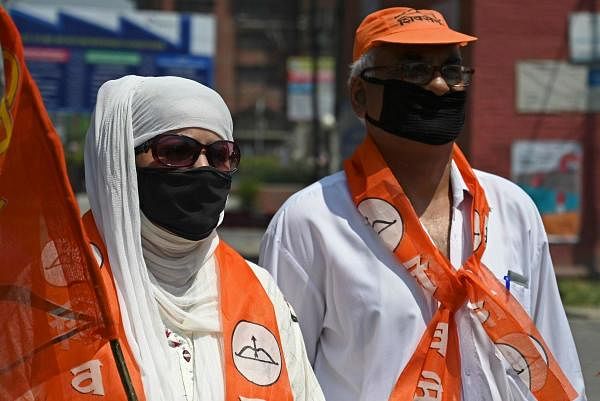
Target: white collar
(458,186)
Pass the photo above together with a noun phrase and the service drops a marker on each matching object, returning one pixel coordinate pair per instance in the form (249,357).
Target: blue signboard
(72,51)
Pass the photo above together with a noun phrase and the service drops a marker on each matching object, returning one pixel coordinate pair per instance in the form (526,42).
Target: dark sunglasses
(180,151)
(418,73)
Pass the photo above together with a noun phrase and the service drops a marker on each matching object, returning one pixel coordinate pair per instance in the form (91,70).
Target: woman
(198,321)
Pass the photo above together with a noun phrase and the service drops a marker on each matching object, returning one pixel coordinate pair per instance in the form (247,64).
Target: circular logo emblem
(52,266)
(256,353)
(384,219)
(520,351)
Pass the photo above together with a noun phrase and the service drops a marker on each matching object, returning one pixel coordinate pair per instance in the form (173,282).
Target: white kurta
(362,314)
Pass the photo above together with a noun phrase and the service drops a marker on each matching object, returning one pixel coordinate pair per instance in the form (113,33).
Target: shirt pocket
(520,256)
(520,290)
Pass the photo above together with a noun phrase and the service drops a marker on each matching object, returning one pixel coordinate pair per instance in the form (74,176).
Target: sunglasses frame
(435,68)
(151,145)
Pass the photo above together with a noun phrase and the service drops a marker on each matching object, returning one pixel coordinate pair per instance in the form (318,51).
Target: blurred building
(115,4)
(533,106)
(254,42)
(534,113)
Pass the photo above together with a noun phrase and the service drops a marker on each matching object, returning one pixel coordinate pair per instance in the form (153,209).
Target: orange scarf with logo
(433,372)
(255,367)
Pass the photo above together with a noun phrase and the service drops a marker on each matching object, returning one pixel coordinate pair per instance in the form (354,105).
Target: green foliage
(256,171)
(246,190)
(268,169)
(579,291)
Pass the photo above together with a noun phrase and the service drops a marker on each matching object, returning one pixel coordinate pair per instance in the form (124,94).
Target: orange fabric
(97,379)
(112,381)
(433,372)
(249,325)
(96,374)
(406,26)
(48,299)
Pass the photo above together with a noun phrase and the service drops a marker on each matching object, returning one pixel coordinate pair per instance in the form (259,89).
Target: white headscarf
(129,111)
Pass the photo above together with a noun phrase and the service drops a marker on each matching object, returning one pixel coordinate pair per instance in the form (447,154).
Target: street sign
(584,37)
(550,172)
(71,51)
(299,94)
(550,86)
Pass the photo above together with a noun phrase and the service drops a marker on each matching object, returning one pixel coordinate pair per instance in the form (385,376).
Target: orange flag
(51,314)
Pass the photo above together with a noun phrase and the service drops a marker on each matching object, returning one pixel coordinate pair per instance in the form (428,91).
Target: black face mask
(415,113)
(185,202)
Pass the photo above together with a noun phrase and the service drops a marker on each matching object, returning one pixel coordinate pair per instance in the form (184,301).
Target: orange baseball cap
(405,26)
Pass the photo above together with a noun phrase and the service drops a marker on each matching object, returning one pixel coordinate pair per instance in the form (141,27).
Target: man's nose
(438,85)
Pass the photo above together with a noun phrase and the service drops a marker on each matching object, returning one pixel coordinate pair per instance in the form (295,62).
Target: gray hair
(365,61)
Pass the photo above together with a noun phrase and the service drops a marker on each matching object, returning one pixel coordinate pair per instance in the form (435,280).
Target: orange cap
(405,26)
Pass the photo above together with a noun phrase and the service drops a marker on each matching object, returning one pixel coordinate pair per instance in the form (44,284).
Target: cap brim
(426,37)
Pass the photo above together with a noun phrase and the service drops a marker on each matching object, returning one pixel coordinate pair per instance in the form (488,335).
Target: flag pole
(115,346)
(102,295)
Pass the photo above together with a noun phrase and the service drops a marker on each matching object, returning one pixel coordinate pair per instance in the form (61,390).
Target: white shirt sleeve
(548,313)
(294,281)
(302,378)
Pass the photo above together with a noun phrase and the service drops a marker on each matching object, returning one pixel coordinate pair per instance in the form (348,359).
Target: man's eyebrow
(412,56)
(416,56)
(453,59)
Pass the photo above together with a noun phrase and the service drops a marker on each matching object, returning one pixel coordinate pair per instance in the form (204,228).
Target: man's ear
(358,97)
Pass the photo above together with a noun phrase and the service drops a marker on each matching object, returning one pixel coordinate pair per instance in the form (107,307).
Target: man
(413,276)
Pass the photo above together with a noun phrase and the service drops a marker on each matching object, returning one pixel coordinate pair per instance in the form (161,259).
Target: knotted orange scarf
(433,372)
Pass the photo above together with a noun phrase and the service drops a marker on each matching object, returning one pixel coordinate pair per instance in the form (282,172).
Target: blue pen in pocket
(507,281)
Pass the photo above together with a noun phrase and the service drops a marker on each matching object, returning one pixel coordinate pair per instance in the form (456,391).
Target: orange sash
(254,364)
(433,372)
